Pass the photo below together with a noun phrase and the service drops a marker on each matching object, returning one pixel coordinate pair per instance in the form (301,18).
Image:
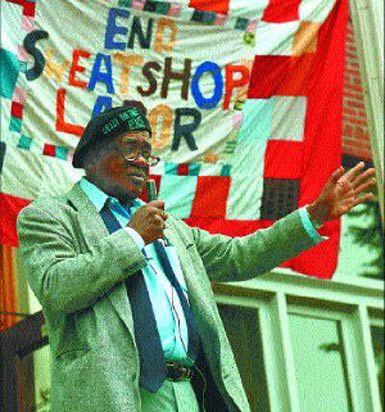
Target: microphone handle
(152,195)
(151,190)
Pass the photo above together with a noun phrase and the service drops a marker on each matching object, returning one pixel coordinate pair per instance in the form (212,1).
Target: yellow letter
(160,118)
(125,62)
(159,45)
(53,69)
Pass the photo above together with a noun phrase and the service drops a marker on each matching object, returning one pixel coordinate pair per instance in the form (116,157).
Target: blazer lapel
(93,229)
(196,291)
(199,296)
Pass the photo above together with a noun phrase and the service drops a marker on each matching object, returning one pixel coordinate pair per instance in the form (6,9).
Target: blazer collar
(79,200)
(90,222)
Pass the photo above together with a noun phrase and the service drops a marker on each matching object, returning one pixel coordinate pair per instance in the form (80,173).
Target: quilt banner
(244,100)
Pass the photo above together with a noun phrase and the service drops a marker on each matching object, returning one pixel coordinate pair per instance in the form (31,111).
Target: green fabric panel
(9,70)
(125,3)
(61,152)
(180,192)
(15,124)
(194,169)
(171,168)
(24,142)
(225,171)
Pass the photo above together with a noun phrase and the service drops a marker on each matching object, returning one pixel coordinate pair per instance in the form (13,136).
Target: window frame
(352,302)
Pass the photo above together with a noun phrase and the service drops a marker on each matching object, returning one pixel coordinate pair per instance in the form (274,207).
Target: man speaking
(125,287)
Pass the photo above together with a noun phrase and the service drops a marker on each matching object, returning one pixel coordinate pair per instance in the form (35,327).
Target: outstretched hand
(341,193)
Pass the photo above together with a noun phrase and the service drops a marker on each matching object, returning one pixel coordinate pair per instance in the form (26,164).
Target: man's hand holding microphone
(149,221)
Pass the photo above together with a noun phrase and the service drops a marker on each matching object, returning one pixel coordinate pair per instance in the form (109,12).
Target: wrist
(317,214)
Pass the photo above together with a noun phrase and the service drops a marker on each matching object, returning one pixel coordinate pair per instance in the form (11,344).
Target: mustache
(144,175)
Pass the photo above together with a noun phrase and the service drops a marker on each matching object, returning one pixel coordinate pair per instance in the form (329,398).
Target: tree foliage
(370,236)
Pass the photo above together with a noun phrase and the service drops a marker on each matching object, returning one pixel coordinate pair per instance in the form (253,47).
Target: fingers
(363,199)
(159,204)
(158,212)
(354,171)
(337,173)
(363,176)
(160,221)
(365,186)
(163,214)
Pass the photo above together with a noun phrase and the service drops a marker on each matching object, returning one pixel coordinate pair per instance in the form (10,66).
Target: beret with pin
(108,125)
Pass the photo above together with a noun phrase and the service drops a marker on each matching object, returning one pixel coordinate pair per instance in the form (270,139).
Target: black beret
(107,125)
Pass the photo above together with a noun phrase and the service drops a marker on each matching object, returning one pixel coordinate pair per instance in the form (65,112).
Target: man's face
(115,171)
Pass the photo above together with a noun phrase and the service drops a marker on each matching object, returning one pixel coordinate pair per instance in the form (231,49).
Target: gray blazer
(77,271)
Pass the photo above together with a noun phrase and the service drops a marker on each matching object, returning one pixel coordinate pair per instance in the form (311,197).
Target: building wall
(356,139)
(356,255)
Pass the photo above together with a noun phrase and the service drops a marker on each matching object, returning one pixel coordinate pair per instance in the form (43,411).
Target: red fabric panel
(28,7)
(283,159)
(279,11)
(49,150)
(217,6)
(10,207)
(17,110)
(322,152)
(282,76)
(265,71)
(183,169)
(319,77)
(211,197)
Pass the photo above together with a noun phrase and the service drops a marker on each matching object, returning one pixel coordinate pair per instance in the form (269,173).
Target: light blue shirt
(308,225)
(169,315)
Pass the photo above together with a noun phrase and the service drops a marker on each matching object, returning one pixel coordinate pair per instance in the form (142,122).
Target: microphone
(151,190)
(153,195)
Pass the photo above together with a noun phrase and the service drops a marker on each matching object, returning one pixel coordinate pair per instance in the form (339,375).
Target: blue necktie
(151,358)
(152,363)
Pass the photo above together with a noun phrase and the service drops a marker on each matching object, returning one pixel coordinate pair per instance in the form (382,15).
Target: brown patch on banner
(305,39)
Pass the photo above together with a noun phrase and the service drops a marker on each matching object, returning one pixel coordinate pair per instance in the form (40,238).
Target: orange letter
(76,54)
(231,83)
(162,132)
(61,125)
(159,46)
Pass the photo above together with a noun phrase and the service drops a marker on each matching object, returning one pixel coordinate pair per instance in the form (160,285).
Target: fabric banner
(244,99)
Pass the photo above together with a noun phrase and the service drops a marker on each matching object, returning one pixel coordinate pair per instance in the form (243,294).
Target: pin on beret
(106,126)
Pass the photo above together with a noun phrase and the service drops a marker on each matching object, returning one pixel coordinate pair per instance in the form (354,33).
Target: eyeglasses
(133,155)
(150,160)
